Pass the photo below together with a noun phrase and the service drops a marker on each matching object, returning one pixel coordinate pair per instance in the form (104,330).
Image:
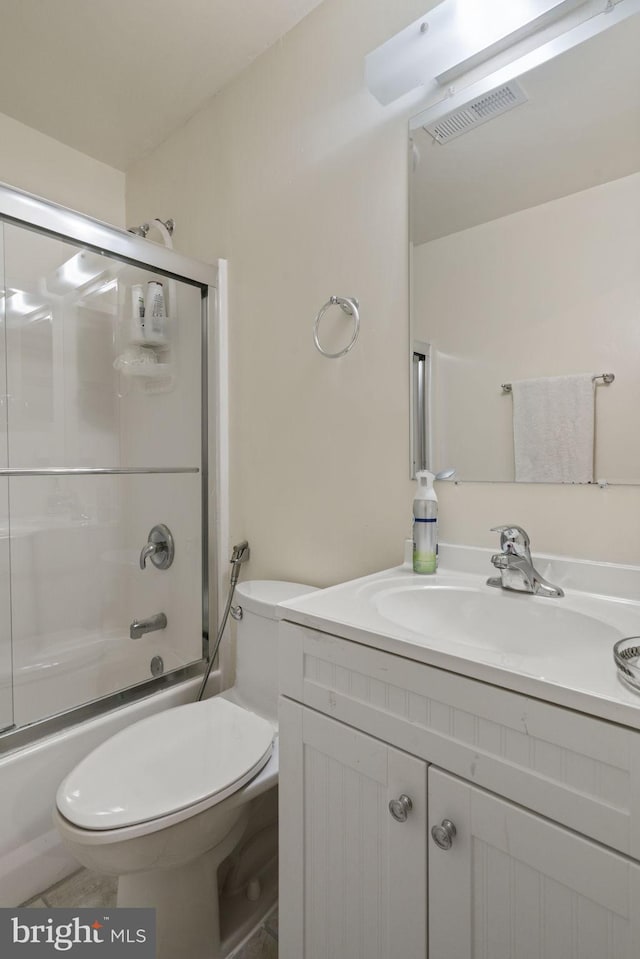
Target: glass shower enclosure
(103,436)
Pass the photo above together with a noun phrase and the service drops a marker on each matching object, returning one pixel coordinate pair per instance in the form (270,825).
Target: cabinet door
(516,886)
(352,878)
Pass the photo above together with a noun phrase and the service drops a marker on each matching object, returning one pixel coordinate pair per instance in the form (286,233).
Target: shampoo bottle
(425,524)
(155,316)
(136,334)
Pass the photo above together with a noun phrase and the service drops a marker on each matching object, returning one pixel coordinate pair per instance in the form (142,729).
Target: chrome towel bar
(606,378)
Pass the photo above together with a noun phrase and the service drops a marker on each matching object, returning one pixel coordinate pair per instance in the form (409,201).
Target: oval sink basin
(493,619)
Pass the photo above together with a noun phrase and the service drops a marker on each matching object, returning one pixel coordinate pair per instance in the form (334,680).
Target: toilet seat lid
(165,763)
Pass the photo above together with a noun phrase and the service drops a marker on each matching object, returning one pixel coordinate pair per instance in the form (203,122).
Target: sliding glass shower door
(101,441)
(6,676)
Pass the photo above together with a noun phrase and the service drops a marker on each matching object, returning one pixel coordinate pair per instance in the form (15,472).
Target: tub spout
(141,626)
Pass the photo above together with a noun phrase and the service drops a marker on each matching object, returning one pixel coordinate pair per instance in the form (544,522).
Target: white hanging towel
(554,429)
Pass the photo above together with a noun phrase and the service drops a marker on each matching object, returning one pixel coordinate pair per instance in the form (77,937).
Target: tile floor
(87,888)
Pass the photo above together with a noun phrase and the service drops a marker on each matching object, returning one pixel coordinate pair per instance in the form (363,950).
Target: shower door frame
(50,219)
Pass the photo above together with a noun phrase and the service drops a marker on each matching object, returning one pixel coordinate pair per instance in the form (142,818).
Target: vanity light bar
(458,37)
(523,25)
(606,378)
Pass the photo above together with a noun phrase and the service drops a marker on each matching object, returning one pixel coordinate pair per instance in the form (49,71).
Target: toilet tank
(256,683)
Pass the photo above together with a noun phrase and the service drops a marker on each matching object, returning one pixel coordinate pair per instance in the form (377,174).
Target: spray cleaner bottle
(425,524)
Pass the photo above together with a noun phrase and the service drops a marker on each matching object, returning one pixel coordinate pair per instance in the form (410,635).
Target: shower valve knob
(160,548)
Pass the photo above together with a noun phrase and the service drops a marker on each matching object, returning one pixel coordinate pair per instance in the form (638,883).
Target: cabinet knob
(443,834)
(400,808)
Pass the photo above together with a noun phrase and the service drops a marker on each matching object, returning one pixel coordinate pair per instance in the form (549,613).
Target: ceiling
(579,128)
(113,78)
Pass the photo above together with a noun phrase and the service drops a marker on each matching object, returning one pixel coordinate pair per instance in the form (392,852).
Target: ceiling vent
(473,114)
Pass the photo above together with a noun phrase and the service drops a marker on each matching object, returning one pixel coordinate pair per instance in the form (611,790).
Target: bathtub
(78,667)
(31,855)
(74,592)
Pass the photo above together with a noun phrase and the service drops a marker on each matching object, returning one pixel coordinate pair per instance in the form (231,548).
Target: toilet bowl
(182,805)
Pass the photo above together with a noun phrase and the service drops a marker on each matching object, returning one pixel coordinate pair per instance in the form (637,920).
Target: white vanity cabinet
(514,885)
(355,877)
(545,803)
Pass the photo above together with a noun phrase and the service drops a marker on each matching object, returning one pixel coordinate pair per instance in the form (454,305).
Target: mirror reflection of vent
(476,112)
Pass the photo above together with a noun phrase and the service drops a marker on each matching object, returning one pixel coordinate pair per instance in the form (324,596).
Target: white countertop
(568,661)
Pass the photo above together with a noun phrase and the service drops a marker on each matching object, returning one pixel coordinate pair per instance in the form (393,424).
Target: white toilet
(182,806)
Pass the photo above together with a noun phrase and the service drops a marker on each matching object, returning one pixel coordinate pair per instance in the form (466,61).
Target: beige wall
(39,164)
(299,177)
(507,300)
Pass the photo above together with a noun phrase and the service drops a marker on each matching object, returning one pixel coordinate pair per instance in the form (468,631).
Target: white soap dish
(141,361)
(146,369)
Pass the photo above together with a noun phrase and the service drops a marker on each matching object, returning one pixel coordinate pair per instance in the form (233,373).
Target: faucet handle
(513,539)
(160,548)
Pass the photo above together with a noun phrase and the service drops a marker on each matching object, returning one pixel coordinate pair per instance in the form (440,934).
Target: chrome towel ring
(350,306)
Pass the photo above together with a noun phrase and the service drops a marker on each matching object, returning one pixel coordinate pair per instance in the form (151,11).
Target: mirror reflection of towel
(554,429)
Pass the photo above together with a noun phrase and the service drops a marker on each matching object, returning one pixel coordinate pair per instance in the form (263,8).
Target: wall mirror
(525,265)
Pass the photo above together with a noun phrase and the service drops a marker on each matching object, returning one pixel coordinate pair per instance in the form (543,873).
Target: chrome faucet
(517,571)
(141,626)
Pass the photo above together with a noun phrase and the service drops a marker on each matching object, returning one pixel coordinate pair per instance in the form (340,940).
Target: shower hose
(239,554)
